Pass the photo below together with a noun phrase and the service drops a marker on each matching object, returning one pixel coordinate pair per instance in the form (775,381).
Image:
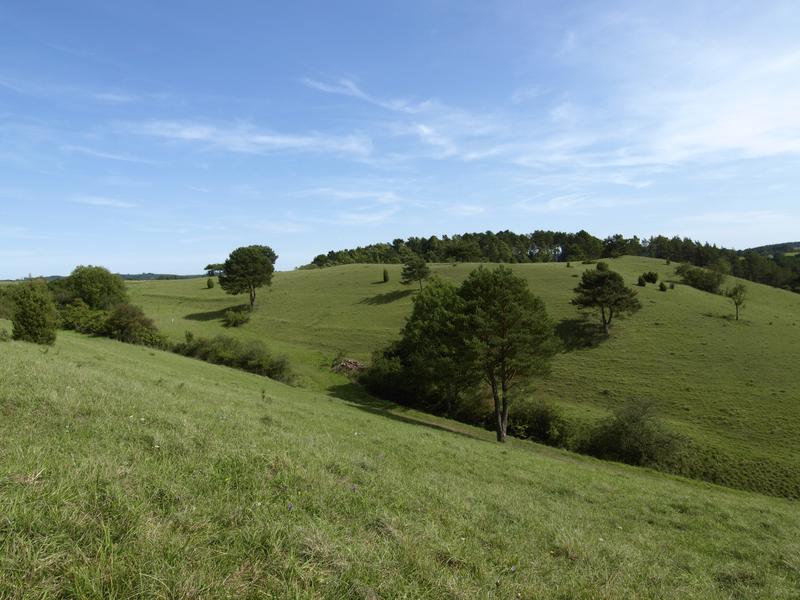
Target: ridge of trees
(780,268)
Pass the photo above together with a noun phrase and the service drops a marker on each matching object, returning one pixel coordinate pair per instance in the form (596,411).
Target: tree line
(777,266)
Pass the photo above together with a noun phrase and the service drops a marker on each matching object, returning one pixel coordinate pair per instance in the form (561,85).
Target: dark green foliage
(415,269)
(662,287)
(248,356)
(214,269)
(247,269)
(128,323)
(78,316)
(633,435)
(672,285)
(386,276)
(210,283)
(650,277)
(34,317)
(602,266)
(708,280)
(738,295)
(235,318)
(641,282)
(96,286)
(605,290)
(6,302)
(538,421)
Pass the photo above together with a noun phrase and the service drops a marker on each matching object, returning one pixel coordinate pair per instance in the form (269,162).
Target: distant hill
(786,247)
(155,276)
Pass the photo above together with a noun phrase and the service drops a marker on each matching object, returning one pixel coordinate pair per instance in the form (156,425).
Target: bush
(385,276)
(235,318)
(602,266)
(650,277)
(210,283)
(223,350)
(663,286)
(634,436)
(34,317)
(701,279)
(77,316)
(641,281)
(538,421)
(672,285)
(128,323)
(96,286)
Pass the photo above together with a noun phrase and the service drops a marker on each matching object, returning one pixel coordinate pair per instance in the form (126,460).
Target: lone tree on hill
(737,294)
(34,317)
(605,290)
(507,333)
(415,269)
(247,269)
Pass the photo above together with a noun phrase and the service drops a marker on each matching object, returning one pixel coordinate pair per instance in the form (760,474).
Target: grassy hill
(127,472)
(732,387)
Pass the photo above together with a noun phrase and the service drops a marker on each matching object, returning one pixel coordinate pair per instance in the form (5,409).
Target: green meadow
(132,473)
(732,387)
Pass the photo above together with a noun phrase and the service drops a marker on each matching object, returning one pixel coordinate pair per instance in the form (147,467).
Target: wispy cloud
(347,87)
(246,138)
(107,155)
(103,201)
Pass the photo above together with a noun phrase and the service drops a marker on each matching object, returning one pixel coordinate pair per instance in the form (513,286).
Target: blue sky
(158,136)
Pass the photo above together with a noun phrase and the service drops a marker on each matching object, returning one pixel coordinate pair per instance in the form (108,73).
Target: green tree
(247,269)
(210,283)
(34,317)
(738,295)
(605,290)
(432,347)
(508,335)
(96,286)
(214,269)
(415,269)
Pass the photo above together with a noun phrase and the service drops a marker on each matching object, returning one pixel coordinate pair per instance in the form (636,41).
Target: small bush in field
(650,277)
(672,285)
(385,276)
(538,421)
(235,318)
(641,282)
(210,283)
(34,318)
(602,266)
(128,323)
(78,316)
(662,287)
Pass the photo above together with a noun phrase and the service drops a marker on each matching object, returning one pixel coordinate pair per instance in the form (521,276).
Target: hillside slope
(129,472)
(733,387)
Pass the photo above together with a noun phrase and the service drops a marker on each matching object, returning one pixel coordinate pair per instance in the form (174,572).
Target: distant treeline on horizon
(777,265)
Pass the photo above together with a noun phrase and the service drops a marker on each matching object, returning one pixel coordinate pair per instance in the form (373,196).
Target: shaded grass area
(732,387)
(128,472)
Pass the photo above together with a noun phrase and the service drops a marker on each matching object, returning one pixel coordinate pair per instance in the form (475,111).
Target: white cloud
(245,138)
(107,155)
(103,201)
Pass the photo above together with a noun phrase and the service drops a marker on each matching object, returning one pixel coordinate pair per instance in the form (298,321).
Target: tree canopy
(96,286)
(605,290)
(415,269)
(247,269)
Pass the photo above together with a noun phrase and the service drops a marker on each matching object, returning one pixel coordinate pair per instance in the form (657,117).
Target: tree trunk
(500,424)
(252,299)
(504,416)
(737,312)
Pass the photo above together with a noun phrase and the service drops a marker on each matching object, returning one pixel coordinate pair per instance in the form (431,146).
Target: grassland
(732,387)
(127,472)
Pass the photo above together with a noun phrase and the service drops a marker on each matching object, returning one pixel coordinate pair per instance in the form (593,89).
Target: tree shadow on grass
(387,298)
(579,334)
(358,397)
(214,315)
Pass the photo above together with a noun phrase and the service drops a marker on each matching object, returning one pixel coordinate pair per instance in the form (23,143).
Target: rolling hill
(128,472)
(732,387)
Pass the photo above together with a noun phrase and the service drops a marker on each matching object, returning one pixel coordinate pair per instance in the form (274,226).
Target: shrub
(632,435)
(702,279)
(79,317)
(569,265)
(672,285)
(34,318)
(650,277)
(4,335)
(602,266)
(385,276)
(663,286)
(128,323)
(641,282)
(223,350)
(235,318)
(96,286)
(538,421)
(210,283)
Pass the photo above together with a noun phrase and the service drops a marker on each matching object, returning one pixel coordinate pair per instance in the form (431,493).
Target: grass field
(732,387)
(127,472)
